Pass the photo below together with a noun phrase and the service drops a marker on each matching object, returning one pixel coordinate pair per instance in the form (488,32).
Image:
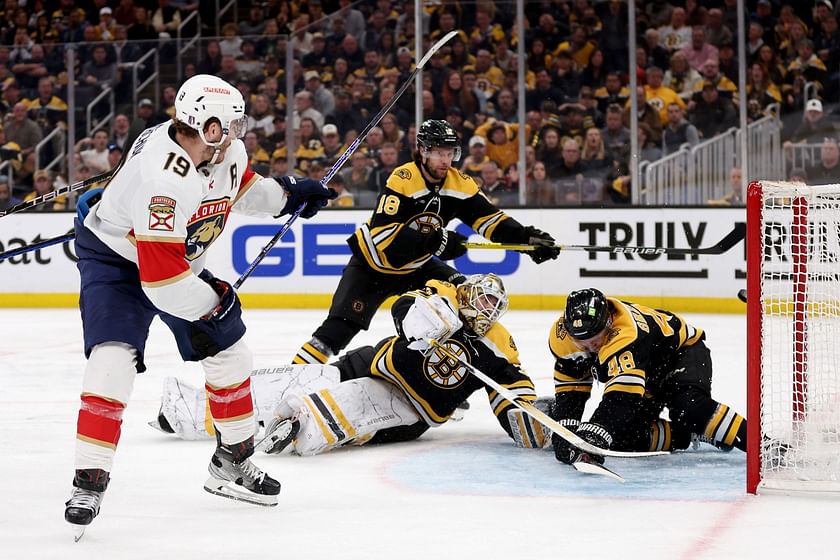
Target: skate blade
(231,491)
(156,425)
(78,532)
(594,468)
(269,442)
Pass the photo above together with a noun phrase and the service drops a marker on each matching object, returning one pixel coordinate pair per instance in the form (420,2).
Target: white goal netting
(800,337)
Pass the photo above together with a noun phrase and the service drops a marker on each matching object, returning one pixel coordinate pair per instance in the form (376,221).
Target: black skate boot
(88,490)
(278,435)
(234,476)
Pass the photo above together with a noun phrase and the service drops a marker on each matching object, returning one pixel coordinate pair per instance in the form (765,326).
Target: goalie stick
(730,240)
(541,416)
(351,149)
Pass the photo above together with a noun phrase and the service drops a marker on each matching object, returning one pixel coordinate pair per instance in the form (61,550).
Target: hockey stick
(732,238)
(541,416)
(35,246)
(58,192)
(351,149)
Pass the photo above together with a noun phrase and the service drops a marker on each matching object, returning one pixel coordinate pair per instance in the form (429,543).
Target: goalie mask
(587,313)
(481,301)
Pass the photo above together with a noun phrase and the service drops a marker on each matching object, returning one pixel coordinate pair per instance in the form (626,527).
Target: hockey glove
(303,189)
(223,326)
(446,244)
(427,319)
(544,244)
(562,448)
(87,201)
(597,436)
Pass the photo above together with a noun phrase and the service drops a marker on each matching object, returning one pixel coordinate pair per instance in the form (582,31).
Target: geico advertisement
(310,257)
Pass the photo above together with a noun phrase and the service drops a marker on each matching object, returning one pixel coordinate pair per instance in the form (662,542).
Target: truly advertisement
(310,257)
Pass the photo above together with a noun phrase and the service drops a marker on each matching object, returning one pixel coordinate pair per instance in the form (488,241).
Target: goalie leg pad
(350,412)
(185,409)
(271,386)
(526,431)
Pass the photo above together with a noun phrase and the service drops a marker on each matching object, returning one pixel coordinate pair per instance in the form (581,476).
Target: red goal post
(793,337)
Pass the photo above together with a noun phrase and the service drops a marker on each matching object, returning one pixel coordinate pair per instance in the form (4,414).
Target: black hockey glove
(544,244)
(597,436)
(446,244)
(562,448)
(303,189)
(223,326)
(88,201)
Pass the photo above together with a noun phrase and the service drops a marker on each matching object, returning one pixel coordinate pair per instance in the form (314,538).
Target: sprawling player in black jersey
(395,250)
(647,359)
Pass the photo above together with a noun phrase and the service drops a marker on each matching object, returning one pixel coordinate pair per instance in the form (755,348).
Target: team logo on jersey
(425,222)
(205,226)
(443,370)
(162,213)
(403,174)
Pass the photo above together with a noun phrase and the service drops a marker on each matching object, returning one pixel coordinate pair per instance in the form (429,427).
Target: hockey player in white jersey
(141,254)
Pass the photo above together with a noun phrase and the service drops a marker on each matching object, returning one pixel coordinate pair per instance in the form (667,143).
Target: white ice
(461,491)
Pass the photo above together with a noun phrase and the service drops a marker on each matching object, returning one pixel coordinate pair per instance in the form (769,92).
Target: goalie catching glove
(428,319)
(544,245)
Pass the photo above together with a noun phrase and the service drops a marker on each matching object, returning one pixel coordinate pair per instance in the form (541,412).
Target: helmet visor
(237,127)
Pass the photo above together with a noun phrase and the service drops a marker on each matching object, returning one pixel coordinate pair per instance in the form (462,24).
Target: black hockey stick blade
(730,240)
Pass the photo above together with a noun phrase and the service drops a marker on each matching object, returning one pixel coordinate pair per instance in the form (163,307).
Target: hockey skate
(234,476)
(88,490)
(278,435)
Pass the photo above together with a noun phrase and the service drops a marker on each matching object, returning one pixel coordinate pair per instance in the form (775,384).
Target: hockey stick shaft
(730,240)
(58,192)
(541,416)
(347,154)
(36,246)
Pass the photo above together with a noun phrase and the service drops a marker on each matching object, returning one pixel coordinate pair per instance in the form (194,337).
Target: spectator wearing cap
(815,125)
(318,58)
(248,65)
(712,114)
(145,118)
(255,24)
(44,184)
(115,153)
(331,141)
(471,164)
(323,99)
(573,124)
(7,197)
(344,116)
(827,170)
(106,28)
(22,130)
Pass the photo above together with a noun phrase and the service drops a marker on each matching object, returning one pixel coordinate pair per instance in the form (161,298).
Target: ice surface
(460,492)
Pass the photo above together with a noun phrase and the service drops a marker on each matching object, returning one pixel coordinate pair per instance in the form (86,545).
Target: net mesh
(800,337)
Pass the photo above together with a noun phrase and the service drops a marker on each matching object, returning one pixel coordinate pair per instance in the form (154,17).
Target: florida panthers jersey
(161,213)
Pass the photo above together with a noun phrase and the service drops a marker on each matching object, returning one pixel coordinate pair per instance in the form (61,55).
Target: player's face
(438,161)
(593,344)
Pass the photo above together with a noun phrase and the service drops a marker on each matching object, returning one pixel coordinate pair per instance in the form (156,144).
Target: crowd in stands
(350,58)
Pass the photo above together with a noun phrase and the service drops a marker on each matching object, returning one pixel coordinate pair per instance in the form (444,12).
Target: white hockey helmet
(204,97)
(482,299)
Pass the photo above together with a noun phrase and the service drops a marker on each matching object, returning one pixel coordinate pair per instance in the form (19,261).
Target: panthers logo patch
(162,213)
(445,371)
(403,174)
(205,226)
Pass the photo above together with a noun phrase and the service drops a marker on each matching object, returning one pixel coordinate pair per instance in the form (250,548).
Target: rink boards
(302,270)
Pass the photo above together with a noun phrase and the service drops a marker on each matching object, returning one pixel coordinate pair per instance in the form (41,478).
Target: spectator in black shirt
(713,114)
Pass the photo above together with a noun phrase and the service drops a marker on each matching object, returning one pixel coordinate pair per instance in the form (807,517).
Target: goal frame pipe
(799,256)
(755,254)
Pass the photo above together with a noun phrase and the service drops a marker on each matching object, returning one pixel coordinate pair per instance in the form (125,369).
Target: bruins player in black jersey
(404,386)
(395,250)
(647,359)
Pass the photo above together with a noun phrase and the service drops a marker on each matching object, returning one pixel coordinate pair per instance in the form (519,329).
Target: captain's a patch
(162,213)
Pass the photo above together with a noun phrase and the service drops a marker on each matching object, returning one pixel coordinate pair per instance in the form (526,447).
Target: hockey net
(793,337)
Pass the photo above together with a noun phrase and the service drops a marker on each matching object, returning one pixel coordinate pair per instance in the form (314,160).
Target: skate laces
(251,470)
(84,498)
